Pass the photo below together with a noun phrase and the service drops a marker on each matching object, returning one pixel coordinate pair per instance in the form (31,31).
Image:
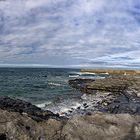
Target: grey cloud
(69,32)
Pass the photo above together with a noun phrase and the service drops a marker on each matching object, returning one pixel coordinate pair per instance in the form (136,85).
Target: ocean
(46,88)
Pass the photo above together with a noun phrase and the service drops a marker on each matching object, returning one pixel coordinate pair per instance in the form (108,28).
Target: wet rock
(16,105)
(124,104)
(80,83)
(119,94)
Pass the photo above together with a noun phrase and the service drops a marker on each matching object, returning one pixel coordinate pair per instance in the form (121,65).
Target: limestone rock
(15,126)
(116,84)
(99,126)
(102,127)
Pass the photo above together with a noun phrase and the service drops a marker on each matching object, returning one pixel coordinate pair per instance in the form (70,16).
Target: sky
(70,33)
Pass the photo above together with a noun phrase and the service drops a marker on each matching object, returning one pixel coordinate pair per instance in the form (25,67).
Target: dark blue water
(35,84)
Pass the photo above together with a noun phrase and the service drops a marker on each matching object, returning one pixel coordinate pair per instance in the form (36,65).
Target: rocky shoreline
(117,94)
(112,114)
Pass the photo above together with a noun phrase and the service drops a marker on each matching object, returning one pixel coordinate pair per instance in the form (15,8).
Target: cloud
(71,33)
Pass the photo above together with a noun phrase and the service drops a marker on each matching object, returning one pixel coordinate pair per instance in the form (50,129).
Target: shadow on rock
(132,135)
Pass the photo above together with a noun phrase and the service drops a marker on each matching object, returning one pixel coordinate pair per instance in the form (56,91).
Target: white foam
(83,73)
(73,76)
(43,105)
(55,84)
(64,109)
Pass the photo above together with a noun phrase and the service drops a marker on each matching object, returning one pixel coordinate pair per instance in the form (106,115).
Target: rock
(22,120)
(116,84)
(84,104)
(102,127)
(107,71)
(16,105)
(119,94)
(124,104)
(78,107)
(88,113)
(80,83)
(70,111)
(3,137)
(14,126)
(99,126)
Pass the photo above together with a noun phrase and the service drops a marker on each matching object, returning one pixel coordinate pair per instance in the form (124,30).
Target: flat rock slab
(115,84)
(111,84)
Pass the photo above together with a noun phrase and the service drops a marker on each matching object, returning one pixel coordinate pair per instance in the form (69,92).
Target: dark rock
(88,113)
(84,104)
(3,137)
(80,84)
(70,111)
(125,104)
(123,97)
(16,105)
(78,107)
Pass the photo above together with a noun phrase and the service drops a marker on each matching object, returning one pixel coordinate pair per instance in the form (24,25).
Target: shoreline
(115,103)
(110,71)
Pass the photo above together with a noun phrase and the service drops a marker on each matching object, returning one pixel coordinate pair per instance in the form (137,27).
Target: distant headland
(110,71)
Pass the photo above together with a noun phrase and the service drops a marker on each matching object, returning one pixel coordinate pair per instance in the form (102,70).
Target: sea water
(46,88)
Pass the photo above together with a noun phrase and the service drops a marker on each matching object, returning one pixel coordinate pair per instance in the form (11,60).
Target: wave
(88,75)
(44,105)
(75,107)
(55,84)
(73,76)
(82,73)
